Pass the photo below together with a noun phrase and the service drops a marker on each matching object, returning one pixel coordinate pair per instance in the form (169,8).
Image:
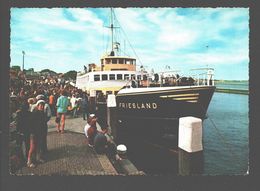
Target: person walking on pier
(24,118)
(62,106)
(36,134)
(47,113)
(51,103)
(73,103)
(84,106)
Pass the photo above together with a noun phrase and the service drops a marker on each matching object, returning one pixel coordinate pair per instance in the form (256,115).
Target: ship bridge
(123,63)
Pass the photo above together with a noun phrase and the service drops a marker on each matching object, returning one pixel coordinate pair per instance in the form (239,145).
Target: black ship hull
(164,103)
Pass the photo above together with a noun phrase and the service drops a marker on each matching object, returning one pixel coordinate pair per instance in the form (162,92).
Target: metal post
(23,60)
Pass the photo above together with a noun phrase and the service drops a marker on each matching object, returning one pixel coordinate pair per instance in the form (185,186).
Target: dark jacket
(38,123)
(24,124)
(84,102)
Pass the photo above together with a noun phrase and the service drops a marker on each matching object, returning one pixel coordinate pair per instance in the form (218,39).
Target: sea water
(226,135)
(225,139)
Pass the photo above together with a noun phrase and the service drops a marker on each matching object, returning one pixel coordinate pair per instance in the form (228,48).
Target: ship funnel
(112,53)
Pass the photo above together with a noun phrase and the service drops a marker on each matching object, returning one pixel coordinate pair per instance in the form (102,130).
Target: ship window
(112,77)
(108,61)
(104,76)
(126,76)
(132,76)
(121,61)
(144,77)
(139,77)
(114,61)
(119,76)
(96,77)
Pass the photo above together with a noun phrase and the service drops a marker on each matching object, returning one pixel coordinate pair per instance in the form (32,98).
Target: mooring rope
(225,142)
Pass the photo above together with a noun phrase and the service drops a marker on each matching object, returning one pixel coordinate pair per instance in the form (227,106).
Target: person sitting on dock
(91,116)
(91,130)
(100,140)
(103,144)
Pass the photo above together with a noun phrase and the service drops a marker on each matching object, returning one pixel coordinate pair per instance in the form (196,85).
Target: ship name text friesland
(138,105)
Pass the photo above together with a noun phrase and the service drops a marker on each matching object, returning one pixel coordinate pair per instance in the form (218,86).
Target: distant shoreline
(232,86)
(228,81)
(234,91)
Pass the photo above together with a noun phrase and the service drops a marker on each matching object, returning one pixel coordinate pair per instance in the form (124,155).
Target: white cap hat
(40,97)
(40,101)
(121,148)
(92,115)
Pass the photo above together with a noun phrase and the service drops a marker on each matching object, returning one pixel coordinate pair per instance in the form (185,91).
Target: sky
(64,39)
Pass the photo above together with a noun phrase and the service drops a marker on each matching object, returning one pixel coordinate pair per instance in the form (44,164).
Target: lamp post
(23,60)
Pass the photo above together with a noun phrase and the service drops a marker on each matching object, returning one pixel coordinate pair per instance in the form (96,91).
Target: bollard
(112,115)
(190,146)
(126,166)
(121,151)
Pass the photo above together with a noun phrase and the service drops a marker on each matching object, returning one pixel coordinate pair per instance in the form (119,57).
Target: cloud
(49,18)
(68,38)
(91,21)
(173,39)
(220,58)
(131,19)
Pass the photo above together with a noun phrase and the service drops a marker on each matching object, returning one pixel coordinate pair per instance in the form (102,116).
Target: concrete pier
(69,153)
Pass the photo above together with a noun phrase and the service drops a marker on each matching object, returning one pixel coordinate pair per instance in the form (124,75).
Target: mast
(112,29)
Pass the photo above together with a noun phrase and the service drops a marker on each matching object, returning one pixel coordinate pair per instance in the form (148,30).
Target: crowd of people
(34,102)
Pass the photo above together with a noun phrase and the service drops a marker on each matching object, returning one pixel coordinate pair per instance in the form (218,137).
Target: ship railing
(204,78)
(132,83)
(81,73)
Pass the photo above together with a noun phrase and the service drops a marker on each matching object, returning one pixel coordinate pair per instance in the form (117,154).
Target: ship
(113,72)
(145,96)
